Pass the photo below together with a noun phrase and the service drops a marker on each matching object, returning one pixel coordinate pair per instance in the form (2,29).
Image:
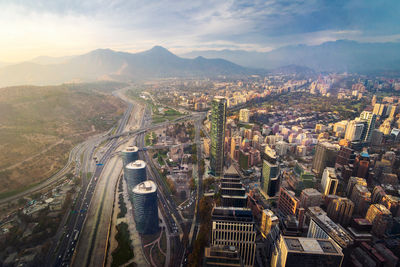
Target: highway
(196,220)
(62,252)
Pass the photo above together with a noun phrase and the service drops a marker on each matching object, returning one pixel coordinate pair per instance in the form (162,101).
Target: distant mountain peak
(159,50)
(102,51)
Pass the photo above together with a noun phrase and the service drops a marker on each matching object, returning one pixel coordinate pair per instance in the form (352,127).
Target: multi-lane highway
(66,240)
(67,237)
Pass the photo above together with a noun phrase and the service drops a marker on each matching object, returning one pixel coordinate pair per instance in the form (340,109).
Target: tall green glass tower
(218,119)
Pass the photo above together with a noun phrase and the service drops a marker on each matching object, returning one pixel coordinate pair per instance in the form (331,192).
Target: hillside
(51,119)
(106,64)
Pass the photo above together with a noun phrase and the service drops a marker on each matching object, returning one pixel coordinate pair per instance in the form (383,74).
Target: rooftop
(335,231)
(145,187)
(130,149)
(139,164)
(311,192)
(311,245)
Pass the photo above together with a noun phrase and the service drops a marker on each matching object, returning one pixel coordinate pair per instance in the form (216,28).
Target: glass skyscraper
(145,207)
(218,119)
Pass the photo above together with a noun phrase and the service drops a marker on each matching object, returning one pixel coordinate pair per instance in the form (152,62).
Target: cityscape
(207,156)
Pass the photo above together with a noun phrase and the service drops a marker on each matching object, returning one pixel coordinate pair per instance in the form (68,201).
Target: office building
(307,178)
(306,252)
(233,194)
(380,218)
(269,176)
(360,230)
(321,226)
(361,198)
(135,173)
(361,165)
(145,207)
(221,256)
(129,154)
(287,202)
(344,157)
(217,133)
(329,181)
(325,156)
(340,210)
(244,115)
(235,227)
(355,130)
(370,118)
(352,182)
(268,221)
(310,197)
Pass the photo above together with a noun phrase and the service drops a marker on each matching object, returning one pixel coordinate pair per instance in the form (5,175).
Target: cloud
(59,27)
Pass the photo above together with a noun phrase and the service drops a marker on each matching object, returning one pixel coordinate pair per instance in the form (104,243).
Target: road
(86,223)
(62,252)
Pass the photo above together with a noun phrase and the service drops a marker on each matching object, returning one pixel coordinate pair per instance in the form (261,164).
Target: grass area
(89,175)
(150,139)
(160,114)
(122,206)
(345,108)
(167,114)
(124,251)
(163,242)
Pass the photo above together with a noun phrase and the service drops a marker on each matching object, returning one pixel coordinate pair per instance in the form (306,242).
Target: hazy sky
(66,27)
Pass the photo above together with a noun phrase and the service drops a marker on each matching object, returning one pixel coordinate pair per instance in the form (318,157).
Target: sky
(31,28)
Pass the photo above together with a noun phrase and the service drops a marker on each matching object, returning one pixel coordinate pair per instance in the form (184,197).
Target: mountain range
(158,62)
(337,56)
(106,64)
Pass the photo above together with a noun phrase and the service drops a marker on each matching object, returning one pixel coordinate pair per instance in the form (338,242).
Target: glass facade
(270,178)
(146,208)
(218,119)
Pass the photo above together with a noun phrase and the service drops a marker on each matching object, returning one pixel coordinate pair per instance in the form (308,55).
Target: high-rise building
(268,221)
(306,252)
(380,217)
(329,181)
(352,182)
(145,207)
(218,119)
(325,156)
(310,197)
(135,173)
(378,195)
(361,198)
(361,165)
(129,154)
(233,194)
(321,226)
(221,256)
(345,156)
(354,130)
(269,175)
(340,210)
(379,109)
(235,227)
(235,147)
(287,202)
(244,115)
(371,119)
